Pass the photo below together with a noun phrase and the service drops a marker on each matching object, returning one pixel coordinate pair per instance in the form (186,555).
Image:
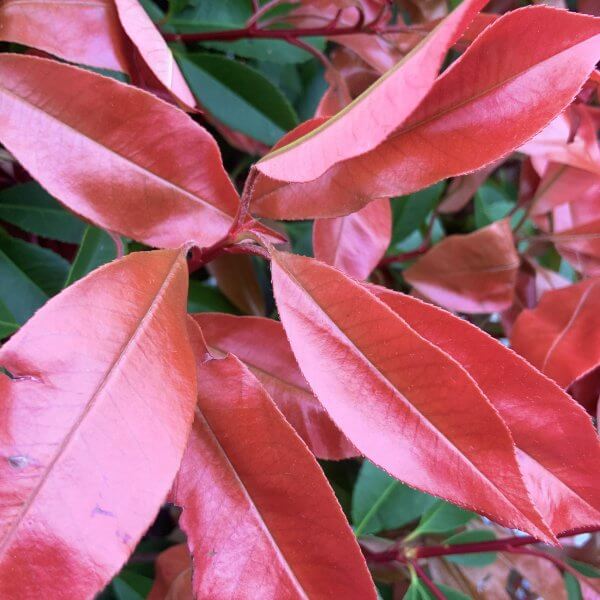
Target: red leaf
(83,32)
(472,273)
(561,337)
(558,449)
(372,117)
(113,153)
(173,579)
(562,183)
(153,48)
(406,405)
(95,420)
(236,278)
(505,88)
(462,189)
(273,363)
(261,519)
(355,243)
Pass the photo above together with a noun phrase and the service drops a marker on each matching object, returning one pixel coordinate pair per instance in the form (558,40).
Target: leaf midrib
(288,568)
(407,403)
(197,200)
(113,368)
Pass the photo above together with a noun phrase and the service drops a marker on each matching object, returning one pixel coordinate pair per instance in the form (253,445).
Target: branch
(435,591)
(253,32)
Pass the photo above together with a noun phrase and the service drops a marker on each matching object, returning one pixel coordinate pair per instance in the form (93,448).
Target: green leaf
(477,559)
(204,16)
(96,248)
(46,269)
(381,502)
(8,323)
(572,587)
(410,211)
(130,585)
(203,297)
(123,591)
(31,208)
(418,591)
(300,236)
(492,203)
(238,96)
(441,518)
(584,568)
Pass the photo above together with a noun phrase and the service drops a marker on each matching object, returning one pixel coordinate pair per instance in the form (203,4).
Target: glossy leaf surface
(82,32)
(257,528)
(355,243)
(115,153)
(561,336)
(506,87)
(373,116)
(274,365)
(153,49)
(558,460)
(94,425)
(473,273)
(173,575)
(388,390)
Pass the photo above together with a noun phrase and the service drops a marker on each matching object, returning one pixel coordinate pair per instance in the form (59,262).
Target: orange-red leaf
(153,48)
(83,32)
(95,418)
(507,86)
(558,449)
(473,273)
(355,243)
(406,405)
(261,519)
(561,336)
(114,154)
(173,579)
(375,114)
(262,346)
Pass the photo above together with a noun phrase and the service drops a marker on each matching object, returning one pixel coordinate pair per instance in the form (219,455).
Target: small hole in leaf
(18,462)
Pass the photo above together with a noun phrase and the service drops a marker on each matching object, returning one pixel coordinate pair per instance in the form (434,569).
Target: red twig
(557,562)
(252,31)
(435,591)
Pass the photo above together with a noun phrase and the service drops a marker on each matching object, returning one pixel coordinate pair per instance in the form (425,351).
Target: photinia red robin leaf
(261,519)
(95,415)
(274,365)
(561,336)
(406,405)
(374,115)
(153,49)
(357,242)
(507,86)
(237,279)
(173,579)
(560,454)
(472,273)
(83,32)
(562,184)
(106,150)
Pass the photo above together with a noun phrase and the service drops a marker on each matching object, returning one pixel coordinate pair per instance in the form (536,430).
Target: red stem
(285,34)
(490,546)
(561,565)
(435,591)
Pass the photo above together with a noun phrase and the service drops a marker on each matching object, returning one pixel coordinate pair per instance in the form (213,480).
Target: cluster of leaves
(260,265)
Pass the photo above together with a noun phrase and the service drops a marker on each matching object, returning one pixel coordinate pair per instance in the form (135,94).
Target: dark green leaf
(410,211)
(206,298)
(492,203)
(8,323)
(572,587)
(96,249)
(31,208)
(441,518)
(238,96)
(46,269)
(477,559)
(381,502)
(300,236)
(584,568)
